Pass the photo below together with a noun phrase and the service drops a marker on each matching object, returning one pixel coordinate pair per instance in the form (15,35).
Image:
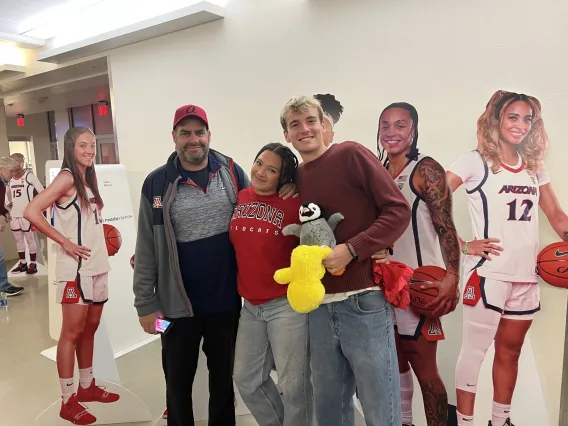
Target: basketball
(552,264)
(113,239)
(419,297)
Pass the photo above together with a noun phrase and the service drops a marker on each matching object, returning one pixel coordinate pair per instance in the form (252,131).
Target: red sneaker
(76,413)
(96,393)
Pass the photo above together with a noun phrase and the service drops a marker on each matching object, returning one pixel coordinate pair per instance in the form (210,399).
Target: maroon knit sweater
(350,179)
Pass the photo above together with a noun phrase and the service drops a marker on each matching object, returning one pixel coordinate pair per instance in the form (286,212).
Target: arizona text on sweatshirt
(348,178)
(261,248)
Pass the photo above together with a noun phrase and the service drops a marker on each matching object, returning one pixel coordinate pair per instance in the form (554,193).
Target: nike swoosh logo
(561,253)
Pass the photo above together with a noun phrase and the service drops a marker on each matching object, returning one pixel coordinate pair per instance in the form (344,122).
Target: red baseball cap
(190,111)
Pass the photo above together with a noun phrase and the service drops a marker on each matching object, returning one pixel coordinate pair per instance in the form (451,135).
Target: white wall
(7,241)
(35,126)
(446,57)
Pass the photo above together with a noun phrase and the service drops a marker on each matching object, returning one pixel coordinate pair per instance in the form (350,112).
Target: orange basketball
(552,264)
(420,297)
(113,239)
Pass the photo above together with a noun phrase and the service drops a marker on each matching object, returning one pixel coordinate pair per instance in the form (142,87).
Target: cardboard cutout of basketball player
(332,110)
(506,181)
(23,186)
(81,270)
(430,240)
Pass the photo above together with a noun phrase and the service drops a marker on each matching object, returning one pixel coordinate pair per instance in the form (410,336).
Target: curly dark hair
(330,106)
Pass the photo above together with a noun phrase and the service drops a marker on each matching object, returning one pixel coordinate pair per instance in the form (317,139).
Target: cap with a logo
(190,111)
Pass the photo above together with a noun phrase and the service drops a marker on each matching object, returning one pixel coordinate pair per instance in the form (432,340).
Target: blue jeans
(352,345)
(274,334)
(4,284)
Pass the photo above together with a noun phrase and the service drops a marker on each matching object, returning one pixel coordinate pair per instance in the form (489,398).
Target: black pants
(180,353)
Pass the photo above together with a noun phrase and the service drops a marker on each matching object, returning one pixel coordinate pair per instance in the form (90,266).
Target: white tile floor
(28,381)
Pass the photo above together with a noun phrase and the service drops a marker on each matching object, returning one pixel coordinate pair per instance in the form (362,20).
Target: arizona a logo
(70,293)
(157,203)
(469,293)
(434,329)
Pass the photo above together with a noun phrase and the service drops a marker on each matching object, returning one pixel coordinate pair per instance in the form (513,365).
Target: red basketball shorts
(83,290)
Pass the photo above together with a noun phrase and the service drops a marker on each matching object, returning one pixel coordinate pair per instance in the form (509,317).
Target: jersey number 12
(526,206)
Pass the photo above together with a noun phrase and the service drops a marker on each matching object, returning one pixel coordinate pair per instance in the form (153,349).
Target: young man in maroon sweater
(351,333)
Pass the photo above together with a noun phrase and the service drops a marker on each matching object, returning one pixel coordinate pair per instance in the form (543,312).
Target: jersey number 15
(525,208)
(16,193)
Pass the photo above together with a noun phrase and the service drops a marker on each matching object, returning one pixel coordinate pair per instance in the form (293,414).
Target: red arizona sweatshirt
(261,248)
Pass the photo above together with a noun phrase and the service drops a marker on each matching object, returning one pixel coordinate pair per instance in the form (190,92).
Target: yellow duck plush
(305,289)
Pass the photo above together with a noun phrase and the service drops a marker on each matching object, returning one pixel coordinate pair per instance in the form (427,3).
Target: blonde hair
(300,104)
(533,146)
(6,162)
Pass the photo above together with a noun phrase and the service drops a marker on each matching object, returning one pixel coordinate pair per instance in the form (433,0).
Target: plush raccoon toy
(314,230)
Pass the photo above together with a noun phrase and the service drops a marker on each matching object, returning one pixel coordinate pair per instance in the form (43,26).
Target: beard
(195,157)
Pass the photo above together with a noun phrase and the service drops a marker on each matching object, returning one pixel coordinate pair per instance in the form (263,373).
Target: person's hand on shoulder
(288,190)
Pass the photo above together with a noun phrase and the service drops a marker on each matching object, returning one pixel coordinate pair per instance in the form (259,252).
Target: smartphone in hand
(162,325)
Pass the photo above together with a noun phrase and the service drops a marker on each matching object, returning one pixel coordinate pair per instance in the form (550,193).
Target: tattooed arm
(431,182)
(553,211)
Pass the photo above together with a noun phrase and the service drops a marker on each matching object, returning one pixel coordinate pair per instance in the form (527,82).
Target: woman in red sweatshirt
(270,331)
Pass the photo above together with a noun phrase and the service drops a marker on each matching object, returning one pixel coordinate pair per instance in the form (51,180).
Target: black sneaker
(507,423)
(13,290)
(22,267)
(32,269)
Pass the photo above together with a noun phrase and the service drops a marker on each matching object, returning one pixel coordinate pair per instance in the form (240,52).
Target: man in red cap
(185,269)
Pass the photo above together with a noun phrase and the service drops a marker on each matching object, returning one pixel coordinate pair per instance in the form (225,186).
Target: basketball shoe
(20,268)
(32,269)
(96,393)
(75,412)
(507,423)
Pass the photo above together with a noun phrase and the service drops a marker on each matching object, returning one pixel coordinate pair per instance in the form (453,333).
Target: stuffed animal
(315,230)
(305,290)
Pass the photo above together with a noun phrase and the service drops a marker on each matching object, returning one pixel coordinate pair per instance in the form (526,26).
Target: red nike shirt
(261,248)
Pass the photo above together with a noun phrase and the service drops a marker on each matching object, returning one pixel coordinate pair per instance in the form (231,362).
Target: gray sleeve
(145,267)
(247,182)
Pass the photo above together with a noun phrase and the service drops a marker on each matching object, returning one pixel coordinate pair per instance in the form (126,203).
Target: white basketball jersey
(85,228)
(503,205)
(22,191)
(419,245)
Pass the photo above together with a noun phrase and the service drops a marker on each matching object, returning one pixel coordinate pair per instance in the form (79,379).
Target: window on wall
(107,150)
(54,151)
(102,123)
(103,128)
(82,116)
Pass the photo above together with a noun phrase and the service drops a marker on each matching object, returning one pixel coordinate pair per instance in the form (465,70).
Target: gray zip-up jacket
(158,284)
